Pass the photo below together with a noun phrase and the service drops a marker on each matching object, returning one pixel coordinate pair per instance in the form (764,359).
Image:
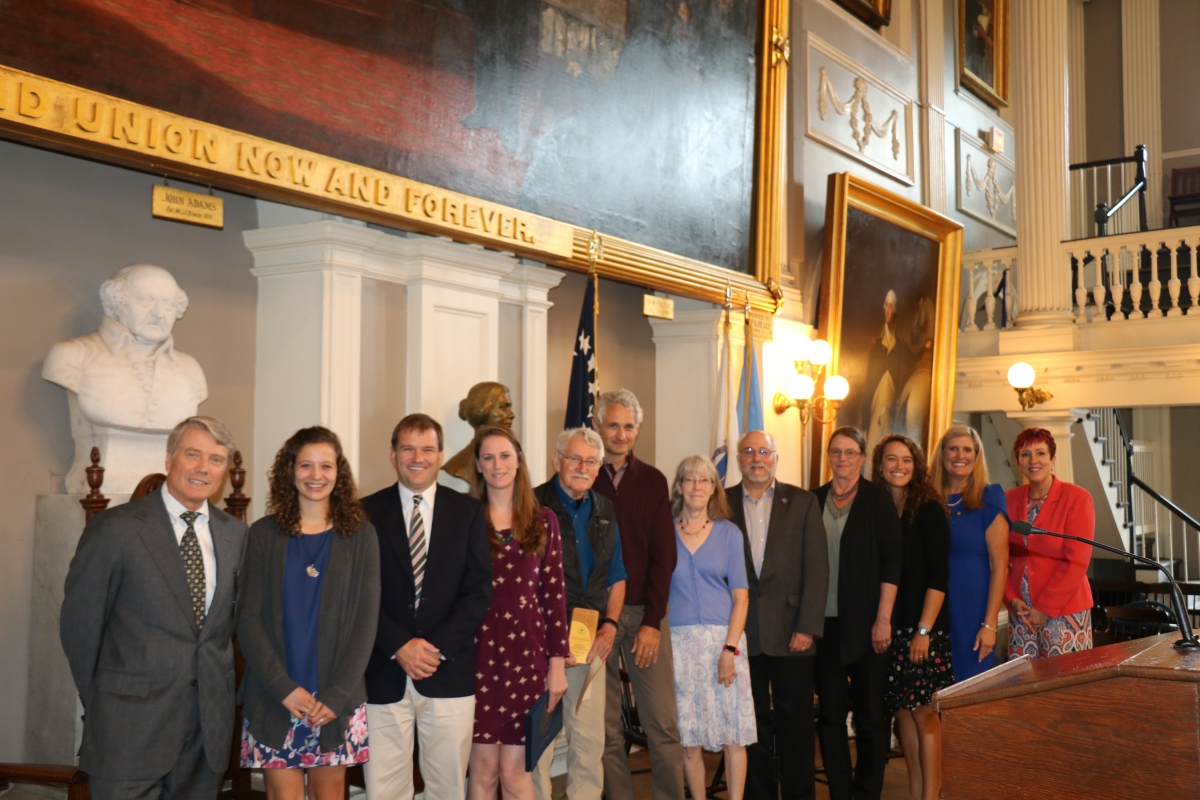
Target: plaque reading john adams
(126,383)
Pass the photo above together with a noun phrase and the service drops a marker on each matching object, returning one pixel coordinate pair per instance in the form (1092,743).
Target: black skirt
(909,684)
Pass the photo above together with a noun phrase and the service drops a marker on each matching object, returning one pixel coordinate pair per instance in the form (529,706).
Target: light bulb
(802,348)
(1021,375)
(836,387)
(801,387)
(820,352)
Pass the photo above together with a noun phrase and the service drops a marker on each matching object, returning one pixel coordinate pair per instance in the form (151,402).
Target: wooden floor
(895,781)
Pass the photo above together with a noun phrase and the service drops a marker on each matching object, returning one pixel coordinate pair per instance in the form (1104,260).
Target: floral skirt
(1069,633)
(711,715)
(910,684)
(302,747)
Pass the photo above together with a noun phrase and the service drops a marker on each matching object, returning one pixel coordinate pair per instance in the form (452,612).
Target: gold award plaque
(660,307)
(180,205)
(584,622)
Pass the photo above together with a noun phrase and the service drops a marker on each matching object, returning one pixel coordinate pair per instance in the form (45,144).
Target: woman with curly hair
(529,606)
(308,623)
(919,659)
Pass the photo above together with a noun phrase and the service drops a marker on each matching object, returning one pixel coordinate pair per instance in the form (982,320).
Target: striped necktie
(416,548)
(193,565)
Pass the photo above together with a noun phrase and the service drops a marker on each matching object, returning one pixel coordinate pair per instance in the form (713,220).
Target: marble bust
(126,383)
(487,403)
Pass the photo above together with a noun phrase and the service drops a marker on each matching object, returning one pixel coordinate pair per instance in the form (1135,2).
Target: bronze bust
(487,403)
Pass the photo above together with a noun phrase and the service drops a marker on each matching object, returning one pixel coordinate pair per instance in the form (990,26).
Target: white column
(528,286)
(1077,75)
(1039,38)
(309,342)
(931,58)
(1059,423)
(1143,95)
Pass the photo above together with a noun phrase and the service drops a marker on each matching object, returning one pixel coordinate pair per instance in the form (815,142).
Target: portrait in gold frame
(983,49)
(876,13)
(880,246)
(47,112)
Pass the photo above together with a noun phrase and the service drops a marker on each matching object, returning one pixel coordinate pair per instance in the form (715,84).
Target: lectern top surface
(1152,658)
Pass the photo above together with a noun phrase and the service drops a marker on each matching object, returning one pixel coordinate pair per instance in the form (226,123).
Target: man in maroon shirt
(643,502)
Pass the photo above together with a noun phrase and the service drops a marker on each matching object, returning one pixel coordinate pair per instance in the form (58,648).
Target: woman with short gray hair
(707,613)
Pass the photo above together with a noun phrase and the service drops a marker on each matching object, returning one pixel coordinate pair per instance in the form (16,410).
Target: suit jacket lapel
(227,560)
(394,531)
(737,515)
(158,535)
(780,505)
(436,538)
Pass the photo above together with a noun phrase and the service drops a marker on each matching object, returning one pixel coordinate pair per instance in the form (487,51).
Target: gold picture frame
(879,244)
(983,49)
(47,113)
(876,13)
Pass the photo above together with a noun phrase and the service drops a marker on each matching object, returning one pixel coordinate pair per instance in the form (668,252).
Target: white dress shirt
(406,505)
(758,519)
(174,509)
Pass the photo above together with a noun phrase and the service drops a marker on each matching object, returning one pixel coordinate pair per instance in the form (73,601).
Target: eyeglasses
(837,454)
(692,480)
(580,461)
(750,452)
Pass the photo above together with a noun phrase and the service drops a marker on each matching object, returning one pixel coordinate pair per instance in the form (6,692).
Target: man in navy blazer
(436,572)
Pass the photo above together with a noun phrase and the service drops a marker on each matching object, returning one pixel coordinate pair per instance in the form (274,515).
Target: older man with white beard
(595,576)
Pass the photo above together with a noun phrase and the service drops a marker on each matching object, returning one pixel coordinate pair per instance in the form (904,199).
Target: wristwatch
(733,650)
(609,621)
(922,630)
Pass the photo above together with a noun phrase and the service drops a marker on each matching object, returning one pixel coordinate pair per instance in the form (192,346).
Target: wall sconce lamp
(1021,377)
(811,361)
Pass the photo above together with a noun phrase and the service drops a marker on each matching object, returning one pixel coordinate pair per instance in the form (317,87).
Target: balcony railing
(988,293)
(1121,277)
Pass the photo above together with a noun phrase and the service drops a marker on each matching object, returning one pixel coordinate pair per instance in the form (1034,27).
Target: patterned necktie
(416,548)
(193,564)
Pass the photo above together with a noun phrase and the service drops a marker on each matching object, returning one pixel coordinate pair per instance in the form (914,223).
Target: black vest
(602,534)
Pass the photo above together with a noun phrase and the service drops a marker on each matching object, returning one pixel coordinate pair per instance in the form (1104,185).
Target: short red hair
(1032,436)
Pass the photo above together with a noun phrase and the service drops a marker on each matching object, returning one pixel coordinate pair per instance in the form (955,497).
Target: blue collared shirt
(581,513)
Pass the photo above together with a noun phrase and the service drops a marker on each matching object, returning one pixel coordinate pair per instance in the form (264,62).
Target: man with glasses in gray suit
(147,625)
(788,572)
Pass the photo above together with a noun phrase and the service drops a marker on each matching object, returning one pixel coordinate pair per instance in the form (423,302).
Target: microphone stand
(1182,620)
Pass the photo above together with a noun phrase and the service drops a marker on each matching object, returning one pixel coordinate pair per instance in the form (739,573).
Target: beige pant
(444,725)
(585,741)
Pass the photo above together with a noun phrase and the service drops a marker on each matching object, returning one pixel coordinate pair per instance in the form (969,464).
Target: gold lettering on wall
(199,149)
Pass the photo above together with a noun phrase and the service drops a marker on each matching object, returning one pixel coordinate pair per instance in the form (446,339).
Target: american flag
(584,386)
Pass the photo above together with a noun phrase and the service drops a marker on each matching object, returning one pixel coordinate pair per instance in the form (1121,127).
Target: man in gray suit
(147,623)
(788,571)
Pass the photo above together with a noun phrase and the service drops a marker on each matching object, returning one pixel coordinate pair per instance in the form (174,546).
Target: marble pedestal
(53,727)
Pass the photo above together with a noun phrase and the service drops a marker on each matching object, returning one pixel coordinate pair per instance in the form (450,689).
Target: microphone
(1182,621)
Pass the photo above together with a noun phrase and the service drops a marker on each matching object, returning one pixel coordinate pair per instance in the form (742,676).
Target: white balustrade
(983,273)
(1108,268)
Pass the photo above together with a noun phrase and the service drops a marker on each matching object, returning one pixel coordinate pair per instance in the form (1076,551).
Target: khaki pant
(585,741)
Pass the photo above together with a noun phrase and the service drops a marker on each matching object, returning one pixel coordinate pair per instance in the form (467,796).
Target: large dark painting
(634,117)
(983,49)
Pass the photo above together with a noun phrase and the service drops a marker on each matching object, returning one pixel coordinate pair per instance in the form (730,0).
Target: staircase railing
(1158,528)
(1135,275)
(1095,185)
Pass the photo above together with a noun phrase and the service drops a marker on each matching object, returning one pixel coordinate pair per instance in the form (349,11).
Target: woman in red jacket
(1047,591)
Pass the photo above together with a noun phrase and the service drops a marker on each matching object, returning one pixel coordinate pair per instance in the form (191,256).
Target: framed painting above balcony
(983,49)
(876,13)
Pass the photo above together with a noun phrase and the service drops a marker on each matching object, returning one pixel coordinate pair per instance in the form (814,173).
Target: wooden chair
(1134,621)
(1185,194)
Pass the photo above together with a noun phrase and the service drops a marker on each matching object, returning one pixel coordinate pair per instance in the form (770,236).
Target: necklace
(309,556)
(492,532)
(839,497)
(683,529)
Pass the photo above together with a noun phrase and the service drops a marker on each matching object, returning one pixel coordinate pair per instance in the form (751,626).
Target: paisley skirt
(711,715)
(302,747)
(909,684)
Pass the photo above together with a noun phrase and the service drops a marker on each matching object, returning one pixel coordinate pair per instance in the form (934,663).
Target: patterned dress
(525,626)
(1066,634)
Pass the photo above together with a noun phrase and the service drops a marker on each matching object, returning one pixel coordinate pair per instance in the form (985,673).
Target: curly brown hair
(527,526)
(283,500)
(920,488)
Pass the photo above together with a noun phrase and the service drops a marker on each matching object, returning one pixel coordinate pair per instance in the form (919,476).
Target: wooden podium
(1121,721)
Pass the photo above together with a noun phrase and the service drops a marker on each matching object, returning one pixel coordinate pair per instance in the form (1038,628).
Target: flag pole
(730,447)
(748,336)
(595,253)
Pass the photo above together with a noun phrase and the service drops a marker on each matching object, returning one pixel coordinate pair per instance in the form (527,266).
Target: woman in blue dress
(978,549)
(308,624)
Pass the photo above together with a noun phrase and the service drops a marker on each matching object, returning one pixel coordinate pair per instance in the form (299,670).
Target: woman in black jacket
(863,532)
(919,662)
(308,623)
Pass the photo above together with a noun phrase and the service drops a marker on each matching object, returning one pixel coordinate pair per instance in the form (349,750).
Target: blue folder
(541,727)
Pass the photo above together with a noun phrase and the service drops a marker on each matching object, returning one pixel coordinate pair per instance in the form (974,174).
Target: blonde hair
(972,494)
(718,506)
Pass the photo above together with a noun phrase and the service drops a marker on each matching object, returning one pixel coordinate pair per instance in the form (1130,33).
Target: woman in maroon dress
(521,646)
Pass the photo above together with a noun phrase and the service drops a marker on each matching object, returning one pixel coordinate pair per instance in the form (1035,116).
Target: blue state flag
(749,401)
(584,387)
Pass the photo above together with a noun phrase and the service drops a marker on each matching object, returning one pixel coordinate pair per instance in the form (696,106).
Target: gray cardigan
(346,631)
